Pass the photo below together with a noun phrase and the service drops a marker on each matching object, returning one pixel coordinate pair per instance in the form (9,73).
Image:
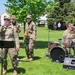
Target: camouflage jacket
(17,26)
(9,33)
(69,34)
(31,28)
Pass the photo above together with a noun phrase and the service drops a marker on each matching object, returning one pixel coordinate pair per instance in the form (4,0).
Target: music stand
(5,44)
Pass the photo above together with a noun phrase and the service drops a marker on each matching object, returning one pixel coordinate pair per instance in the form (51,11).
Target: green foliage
(51,5)
(63,1)
(64,12)
(50,23)
(49,10)
(21,8)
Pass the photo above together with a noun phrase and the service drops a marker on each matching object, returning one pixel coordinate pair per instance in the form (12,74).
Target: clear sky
(2,6)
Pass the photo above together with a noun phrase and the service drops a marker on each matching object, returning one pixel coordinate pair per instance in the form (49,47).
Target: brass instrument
(26,33)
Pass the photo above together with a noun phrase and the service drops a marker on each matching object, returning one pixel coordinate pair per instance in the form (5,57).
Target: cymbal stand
(49,35)
(48,52)
(48,39)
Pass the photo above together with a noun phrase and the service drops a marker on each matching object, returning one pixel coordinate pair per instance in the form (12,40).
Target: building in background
(42,21)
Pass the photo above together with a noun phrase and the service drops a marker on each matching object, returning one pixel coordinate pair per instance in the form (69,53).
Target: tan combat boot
(15,72)
(4,72)
(31,59)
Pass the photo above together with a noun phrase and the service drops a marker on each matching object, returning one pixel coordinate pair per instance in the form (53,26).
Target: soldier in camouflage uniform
(68,33)
(14,23)
(17,26)
(8,33)
(30,36)
(69,36)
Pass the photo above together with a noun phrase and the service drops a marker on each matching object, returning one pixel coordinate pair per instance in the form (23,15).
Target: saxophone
(26,33)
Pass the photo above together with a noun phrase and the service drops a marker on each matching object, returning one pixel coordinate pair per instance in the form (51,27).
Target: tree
(64,12)
(50,15)
(21,8)
(37,8)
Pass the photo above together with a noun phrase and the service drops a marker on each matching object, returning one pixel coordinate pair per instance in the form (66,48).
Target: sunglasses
(28,18)
(7,19)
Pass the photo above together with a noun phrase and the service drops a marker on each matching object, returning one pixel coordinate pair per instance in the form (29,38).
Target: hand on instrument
(17,47)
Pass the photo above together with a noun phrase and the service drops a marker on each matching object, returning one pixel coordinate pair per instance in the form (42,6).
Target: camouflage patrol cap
(28,16)
(69,25)
(13,17)
(7,18)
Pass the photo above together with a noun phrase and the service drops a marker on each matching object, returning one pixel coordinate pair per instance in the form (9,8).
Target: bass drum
(58,54)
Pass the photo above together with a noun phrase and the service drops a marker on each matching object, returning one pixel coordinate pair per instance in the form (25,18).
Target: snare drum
(51,45)
(67,41)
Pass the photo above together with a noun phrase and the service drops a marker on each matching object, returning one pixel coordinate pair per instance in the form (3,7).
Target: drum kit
(57,51)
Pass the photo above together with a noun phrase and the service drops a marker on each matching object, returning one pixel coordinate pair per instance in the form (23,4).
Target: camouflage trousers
(13,56)
(29,47)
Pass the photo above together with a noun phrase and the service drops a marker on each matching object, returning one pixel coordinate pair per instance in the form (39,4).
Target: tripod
(5,44)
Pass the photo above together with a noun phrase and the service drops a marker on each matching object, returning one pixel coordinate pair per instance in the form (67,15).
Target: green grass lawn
(41,65)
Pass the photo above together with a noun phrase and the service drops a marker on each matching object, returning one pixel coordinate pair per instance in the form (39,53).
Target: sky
(2,6)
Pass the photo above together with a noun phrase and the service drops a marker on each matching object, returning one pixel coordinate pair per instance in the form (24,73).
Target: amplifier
(69,63)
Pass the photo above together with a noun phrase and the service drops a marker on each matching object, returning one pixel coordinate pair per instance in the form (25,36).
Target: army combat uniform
(17,26)
(69,36)
(30,39)
(14,23)
(8,33)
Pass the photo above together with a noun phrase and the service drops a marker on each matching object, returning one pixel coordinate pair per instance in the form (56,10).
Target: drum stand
(73,46)
(69,52)
(5,44)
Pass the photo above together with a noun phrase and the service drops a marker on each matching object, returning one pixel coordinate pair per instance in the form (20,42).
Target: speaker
(69,63)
